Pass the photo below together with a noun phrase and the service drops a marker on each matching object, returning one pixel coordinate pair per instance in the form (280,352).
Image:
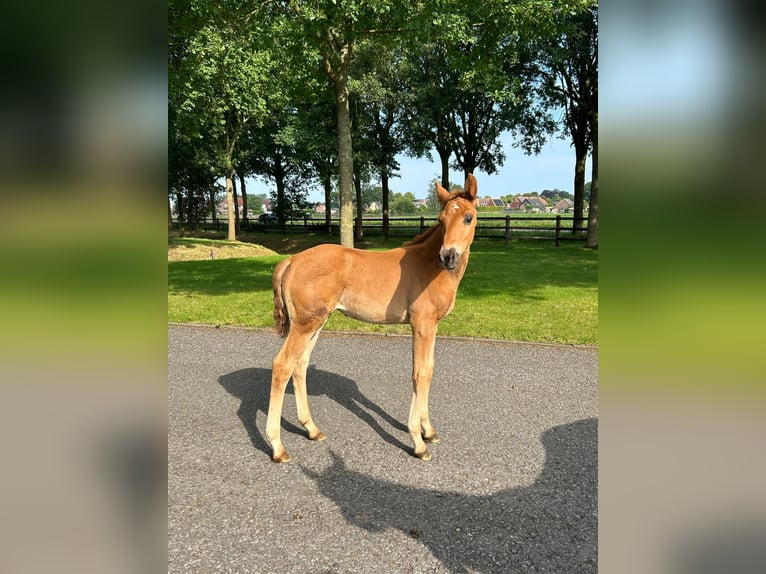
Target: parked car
(268,218)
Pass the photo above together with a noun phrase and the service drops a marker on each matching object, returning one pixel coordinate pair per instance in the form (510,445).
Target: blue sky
(553,168)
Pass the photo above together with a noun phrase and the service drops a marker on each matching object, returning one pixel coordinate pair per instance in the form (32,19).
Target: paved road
(511,487)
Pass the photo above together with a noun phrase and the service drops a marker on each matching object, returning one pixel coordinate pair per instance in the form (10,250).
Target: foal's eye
(468,218)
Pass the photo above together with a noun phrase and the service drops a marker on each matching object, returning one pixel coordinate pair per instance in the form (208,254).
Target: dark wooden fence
(506,227)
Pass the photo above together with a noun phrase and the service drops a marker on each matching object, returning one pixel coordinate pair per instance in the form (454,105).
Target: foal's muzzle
(449,258)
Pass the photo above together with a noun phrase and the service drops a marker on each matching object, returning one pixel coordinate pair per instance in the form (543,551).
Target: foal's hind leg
(282,369)
(301,396)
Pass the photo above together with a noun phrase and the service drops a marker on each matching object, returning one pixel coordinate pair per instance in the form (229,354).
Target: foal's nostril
(448,258)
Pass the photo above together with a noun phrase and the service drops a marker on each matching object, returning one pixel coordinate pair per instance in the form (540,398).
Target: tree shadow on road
(252,388)
(549,526)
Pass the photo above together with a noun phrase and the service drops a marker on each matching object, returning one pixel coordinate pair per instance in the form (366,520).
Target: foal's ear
(443,194)
(470,187)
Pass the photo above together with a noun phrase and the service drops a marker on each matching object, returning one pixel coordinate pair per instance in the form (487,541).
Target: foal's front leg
(419,422)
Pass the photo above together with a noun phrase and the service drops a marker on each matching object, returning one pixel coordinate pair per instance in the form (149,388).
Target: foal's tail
(281,317)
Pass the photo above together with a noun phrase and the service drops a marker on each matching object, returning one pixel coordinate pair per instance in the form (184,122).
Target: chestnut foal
(414,284)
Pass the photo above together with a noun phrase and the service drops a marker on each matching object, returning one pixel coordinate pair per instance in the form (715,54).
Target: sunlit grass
(526,292)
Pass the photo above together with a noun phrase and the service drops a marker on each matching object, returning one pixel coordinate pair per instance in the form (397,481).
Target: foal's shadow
(252,388)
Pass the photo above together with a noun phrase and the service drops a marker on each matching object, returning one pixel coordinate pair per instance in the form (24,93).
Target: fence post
(305,223)
(422,224)
(558,230)
(507,229)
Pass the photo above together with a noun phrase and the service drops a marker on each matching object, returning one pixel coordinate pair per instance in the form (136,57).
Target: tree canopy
(333,91)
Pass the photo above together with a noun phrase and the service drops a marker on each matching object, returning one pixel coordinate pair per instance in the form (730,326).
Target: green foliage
(556,195)
(216,85)
(402,203)
(256,89)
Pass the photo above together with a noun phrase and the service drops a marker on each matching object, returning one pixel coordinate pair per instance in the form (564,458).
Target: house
(490,202)
(516,204)
(421,203)
(564,206)
(321,209)
(533,204)
(223,209)
(373,206)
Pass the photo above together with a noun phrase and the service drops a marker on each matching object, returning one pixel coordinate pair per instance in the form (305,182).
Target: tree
(556,194)
(568,55)
(270,151)
(217,76)
(190,180)
(471,82)
(491,97)
(335,29)
(403,203)
(371,194)
(384,95)
(592,237)
(429,115)
(316,141)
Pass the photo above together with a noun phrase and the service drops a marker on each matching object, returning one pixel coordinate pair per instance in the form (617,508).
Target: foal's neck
(429,241)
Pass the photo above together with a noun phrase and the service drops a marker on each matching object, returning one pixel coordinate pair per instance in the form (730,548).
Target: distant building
(533,204)
(490,202)
(564,206)
(321,209)
(265,206)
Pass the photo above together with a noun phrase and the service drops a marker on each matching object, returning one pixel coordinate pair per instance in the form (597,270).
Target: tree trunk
(236,203)
(444,157)
(181,213)
(279,179)
(170,215)
(385,193)
(345,160)
(581,155)
(280,211)
(358,232)
(232,233)
(213,210)
(244,197)
(592,238)
(328,203)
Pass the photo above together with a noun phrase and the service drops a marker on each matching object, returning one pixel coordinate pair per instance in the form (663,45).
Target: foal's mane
(431,230)
(423,236)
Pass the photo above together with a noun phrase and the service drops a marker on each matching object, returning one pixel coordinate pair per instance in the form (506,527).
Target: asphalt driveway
(511,487)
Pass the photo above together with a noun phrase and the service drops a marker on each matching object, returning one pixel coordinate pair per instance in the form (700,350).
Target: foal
(414,284)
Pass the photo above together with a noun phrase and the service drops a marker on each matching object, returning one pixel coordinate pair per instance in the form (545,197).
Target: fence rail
(557,228)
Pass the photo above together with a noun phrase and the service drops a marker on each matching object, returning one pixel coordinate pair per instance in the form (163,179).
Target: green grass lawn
(528,291)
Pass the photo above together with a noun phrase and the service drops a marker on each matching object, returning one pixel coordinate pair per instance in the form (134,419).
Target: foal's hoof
(283,457)
(433,439)
(423,455)
(317,437)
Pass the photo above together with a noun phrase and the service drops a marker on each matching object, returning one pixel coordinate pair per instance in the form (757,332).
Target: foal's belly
(371,313)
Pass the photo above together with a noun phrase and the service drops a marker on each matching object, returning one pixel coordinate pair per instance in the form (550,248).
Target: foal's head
(458,217)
